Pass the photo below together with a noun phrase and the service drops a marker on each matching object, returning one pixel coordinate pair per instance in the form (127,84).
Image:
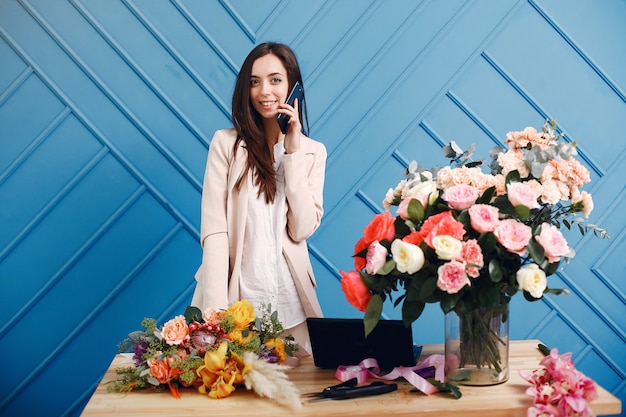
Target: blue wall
(107,108)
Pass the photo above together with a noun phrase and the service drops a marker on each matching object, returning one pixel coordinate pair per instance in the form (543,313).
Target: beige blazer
(223,220)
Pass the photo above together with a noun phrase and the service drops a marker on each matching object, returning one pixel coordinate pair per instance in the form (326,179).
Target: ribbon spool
(369,368)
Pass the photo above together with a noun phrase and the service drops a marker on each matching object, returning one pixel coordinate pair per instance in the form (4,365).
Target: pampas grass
(269,380)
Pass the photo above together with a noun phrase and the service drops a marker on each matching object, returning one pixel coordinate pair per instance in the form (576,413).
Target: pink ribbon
(369,368)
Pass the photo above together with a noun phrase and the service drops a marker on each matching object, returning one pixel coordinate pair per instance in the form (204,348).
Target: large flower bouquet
(214,351)
(470,240)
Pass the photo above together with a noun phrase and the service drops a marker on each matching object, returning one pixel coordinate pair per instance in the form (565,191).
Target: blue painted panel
(11,67)
(107,108)
(44,174)
(24,114)
(594,30)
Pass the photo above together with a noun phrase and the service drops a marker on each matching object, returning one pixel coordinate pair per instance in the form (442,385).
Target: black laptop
(337,342)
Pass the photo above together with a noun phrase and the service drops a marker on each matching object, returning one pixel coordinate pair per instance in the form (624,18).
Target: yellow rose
(242,313)
(236,335)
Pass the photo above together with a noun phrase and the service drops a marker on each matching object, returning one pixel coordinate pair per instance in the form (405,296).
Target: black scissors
(349,389)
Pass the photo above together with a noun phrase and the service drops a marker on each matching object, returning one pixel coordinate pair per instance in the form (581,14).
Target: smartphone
(283,119)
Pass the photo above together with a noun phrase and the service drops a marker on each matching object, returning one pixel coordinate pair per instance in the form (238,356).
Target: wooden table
(506,399)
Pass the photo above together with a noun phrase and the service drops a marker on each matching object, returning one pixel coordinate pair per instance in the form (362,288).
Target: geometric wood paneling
(107,108)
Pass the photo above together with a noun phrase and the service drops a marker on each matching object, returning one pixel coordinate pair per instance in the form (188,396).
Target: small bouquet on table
(214,351)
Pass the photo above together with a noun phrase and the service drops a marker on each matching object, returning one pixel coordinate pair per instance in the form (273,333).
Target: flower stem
(480,339)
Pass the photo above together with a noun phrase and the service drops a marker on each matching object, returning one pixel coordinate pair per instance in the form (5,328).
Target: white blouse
(265,276)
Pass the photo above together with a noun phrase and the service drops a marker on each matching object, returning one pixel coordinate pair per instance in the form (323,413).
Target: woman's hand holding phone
(289,120)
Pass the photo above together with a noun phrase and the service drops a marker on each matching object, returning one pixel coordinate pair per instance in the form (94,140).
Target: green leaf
(447,387)
(487,196)
(401,226)
(193,314)
(389,267)
(512,176)
(372,313)
(487,242)
(449,301)
(495,271)
(411,310)
(522,212)
(416,210)
(428,287)
(536,251)
(489,297)
(504,205)
(373,282)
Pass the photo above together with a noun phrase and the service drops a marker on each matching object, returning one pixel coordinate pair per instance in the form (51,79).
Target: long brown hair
(248,123)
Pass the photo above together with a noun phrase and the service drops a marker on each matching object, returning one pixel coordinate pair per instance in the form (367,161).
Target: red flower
(414,238)
(360,261)
(380,228)
(355,289)
(442,224)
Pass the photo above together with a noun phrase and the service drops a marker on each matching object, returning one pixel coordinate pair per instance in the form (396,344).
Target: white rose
(409,258)
(532,279)
(447,247)
(424,188)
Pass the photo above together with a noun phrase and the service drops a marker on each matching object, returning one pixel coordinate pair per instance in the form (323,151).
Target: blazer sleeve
(304,189)
(213,279)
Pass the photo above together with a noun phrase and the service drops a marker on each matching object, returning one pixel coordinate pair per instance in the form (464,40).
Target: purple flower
(139,348)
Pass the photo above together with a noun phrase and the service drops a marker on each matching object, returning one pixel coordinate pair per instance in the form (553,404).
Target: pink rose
(521,194)
(553,242)
(472,255)
(376,257)
(483,217)
(461,196)
(513,235)
(175,331)
(451,277)
(403,208)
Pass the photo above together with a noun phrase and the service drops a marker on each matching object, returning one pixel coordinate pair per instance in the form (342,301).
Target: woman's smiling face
(268,85)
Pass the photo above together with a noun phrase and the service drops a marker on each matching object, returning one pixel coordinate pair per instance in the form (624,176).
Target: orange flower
(355,289)
(160,369)
(360,262)
(380,228)
(414,238)
(442,224)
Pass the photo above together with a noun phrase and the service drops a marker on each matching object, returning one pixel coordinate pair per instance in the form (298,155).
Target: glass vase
(477,346)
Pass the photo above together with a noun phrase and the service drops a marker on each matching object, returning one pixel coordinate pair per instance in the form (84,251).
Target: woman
(262,198)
